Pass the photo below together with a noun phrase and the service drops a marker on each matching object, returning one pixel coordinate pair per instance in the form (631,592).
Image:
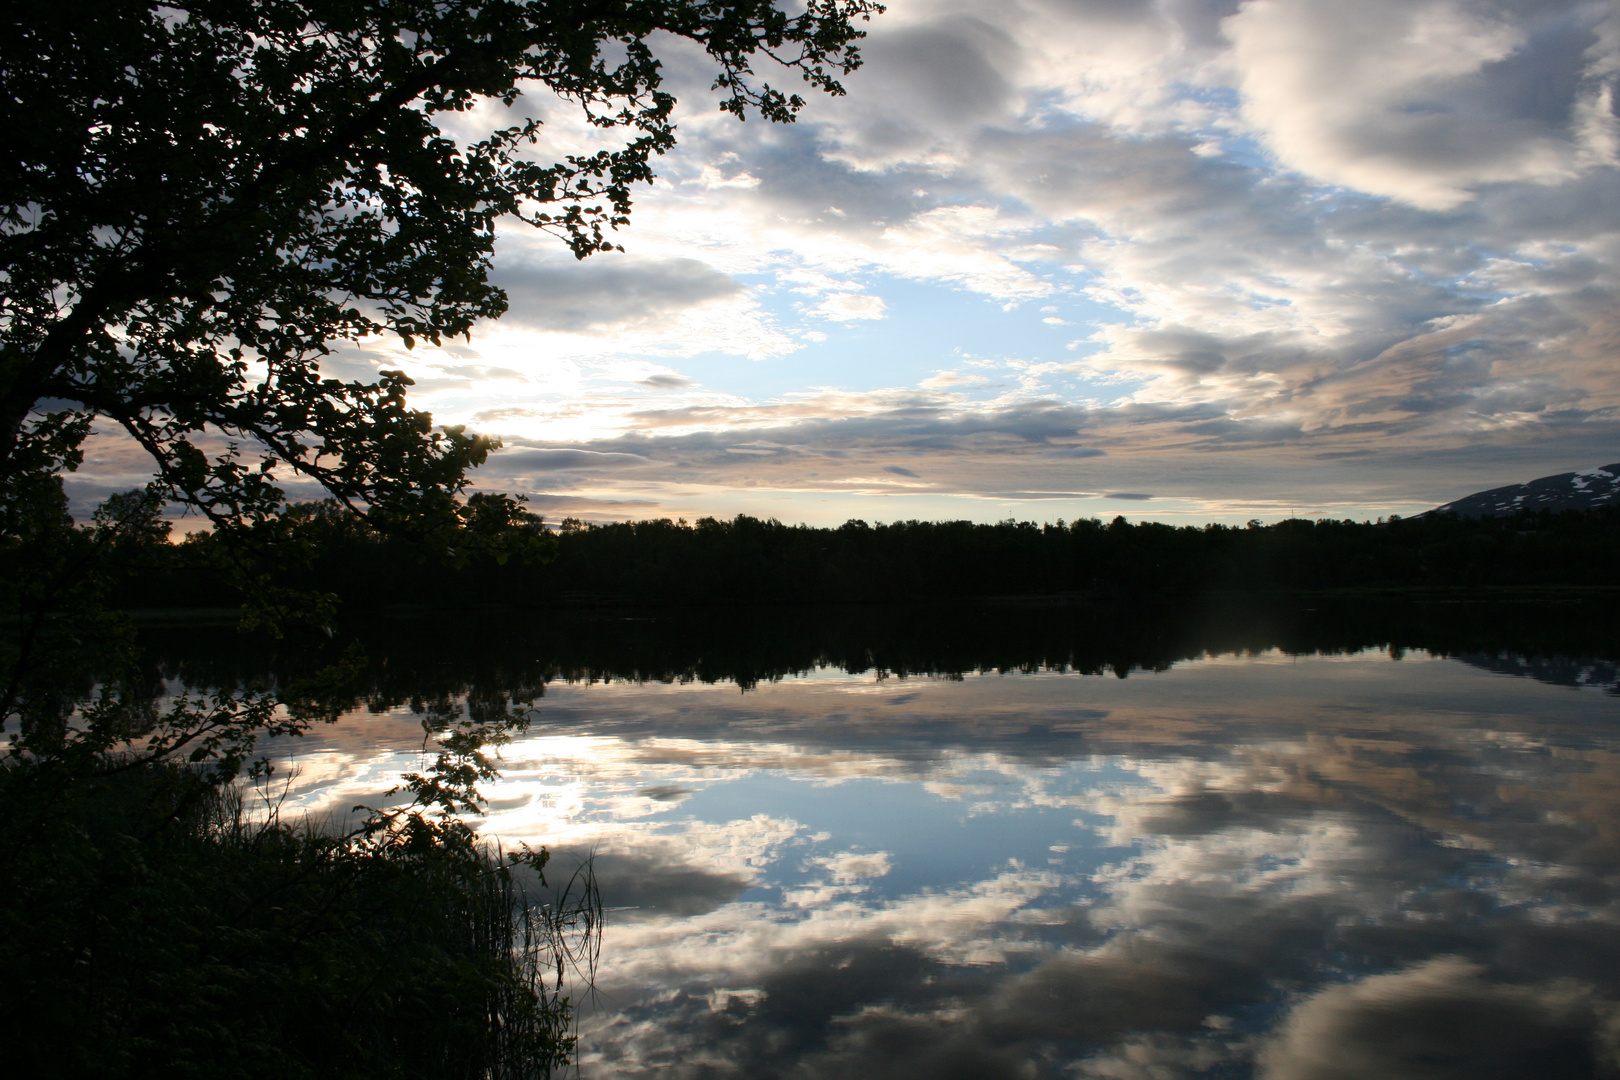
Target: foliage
(211,197)
(208,197)
(74,683)
(749,561)
(149,927)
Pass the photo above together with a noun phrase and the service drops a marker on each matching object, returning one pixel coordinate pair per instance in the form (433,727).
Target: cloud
(899,471)
(847,307)
(608,292)
(1374,240)
(1223,865)
(530,461)
(665,793)
(1293,311)
(1441,1019)
(641,885)
(1427,101)
(595,508)
(666,382)
(896,418)
(847,867)
(838,442)
(481,372)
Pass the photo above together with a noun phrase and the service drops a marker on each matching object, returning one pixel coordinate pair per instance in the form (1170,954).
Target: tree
(206,195)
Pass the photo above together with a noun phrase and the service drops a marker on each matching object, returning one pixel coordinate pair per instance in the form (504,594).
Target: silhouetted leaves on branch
(207,198)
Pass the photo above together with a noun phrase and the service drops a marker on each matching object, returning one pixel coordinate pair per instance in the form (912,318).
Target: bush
(150,927)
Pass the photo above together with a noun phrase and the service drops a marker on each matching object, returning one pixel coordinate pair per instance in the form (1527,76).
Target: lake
(1028,843)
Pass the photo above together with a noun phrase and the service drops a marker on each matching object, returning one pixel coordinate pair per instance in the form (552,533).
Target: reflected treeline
(492,660)
(1572,671)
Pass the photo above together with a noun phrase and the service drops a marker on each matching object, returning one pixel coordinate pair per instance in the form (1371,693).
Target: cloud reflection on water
(1312,868)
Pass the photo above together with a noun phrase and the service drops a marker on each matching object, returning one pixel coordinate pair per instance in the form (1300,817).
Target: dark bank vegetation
(151,927)
(749,561)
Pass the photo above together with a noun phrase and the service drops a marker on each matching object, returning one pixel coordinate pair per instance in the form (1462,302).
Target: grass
(150,926)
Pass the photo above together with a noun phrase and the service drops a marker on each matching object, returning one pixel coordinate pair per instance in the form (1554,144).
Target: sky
(1184,260)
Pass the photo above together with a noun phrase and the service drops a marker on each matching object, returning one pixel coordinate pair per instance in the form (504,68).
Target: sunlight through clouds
(1261,257)
(1385,274)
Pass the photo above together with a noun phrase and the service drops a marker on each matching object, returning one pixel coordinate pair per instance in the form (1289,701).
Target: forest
(746,560)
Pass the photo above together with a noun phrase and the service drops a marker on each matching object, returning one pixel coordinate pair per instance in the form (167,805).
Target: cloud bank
(1253,256)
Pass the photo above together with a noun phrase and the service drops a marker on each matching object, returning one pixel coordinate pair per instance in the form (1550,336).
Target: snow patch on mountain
(1586,490)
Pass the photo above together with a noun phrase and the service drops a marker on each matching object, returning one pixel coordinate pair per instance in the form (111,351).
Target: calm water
(1361,864)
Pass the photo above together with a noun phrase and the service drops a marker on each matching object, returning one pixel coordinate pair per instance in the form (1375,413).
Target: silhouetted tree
(206,195)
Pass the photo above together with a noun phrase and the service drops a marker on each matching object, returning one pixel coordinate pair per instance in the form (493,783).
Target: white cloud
(848,307)
(1424,101)
(1369,246)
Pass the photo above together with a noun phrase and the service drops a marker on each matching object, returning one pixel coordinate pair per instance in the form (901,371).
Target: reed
(150,924)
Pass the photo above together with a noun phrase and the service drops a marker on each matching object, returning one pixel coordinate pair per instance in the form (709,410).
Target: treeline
(747,560)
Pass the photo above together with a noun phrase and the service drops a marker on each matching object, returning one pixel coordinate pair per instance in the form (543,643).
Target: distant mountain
(1573,671)
(1566,491)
